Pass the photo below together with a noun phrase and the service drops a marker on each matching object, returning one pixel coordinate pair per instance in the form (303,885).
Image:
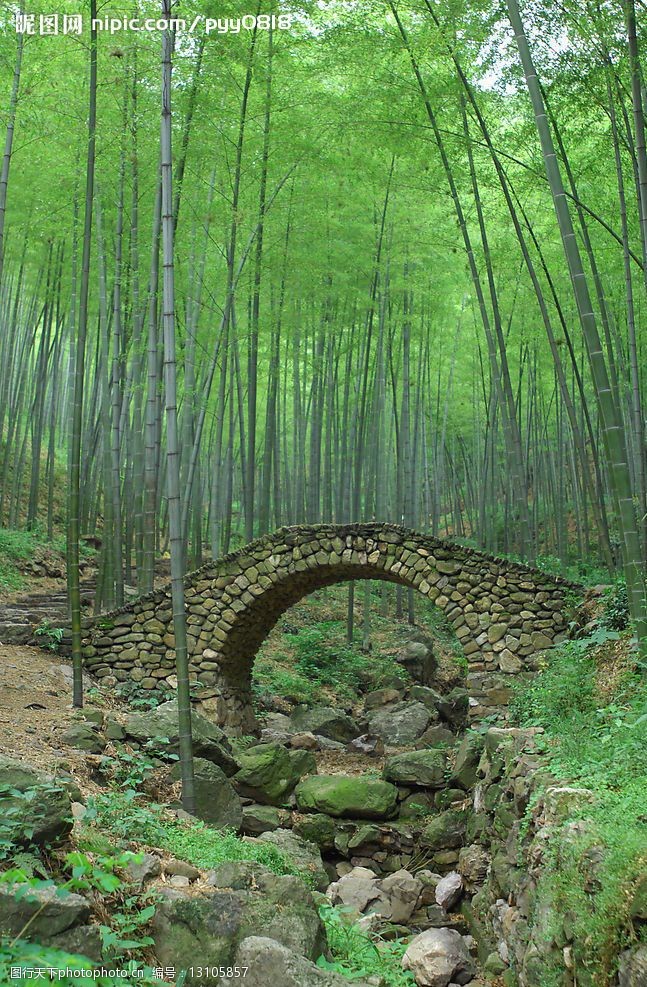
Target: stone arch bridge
(502,612)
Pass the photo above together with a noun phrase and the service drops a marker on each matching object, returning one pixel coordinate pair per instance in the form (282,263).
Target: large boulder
(400,723)
(246,900)
(632,969)
(216,802)
(418,658)
(358,797)
(303,854)
(269,772)
(425,768)
(393,899)
(439,957)
(84,737)
(454,708)
(445,831)
(468,756)
(260,819)
(48,910)
(268,962)
(317,828)
(33,806)
(209,741)
(325,721)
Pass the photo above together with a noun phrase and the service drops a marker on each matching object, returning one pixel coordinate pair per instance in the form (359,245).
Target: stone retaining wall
(503,613)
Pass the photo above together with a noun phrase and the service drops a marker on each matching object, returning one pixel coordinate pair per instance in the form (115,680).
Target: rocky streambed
(417,828)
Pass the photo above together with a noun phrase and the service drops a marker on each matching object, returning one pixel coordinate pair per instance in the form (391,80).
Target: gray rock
(473,863)
(268,962)
(425,768)
(399,724)
(216,802)
(84,737)
(402,891)
(356,890)
(42,813)
(393,899)
(419,659)
(246,900)
(48,912)
(81,940)
(632,970)
(449,890)
(445,831)
(209,741)
(439,957)
(435,736)
(454,708)
(468,756)
(326,722)
(179,881)
(317,828)
(372,746)
(304,854)
(145,869)
(260,819)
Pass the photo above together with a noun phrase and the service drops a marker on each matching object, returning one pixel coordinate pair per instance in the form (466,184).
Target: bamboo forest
(323,493)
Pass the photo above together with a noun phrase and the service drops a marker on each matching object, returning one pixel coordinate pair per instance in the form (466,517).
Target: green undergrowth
(356,956)
(20,959)
(16,548)
(600,744)
(319,657)
(308,659)
(19,546)
(127,816)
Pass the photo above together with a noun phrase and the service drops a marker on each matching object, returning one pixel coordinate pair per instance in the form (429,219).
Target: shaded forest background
(376,314)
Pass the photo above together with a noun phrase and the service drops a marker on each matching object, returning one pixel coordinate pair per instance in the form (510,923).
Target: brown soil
(36,709)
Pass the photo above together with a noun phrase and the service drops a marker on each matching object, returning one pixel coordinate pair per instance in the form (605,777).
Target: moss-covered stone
(339,795)
(425,768)
(318,828)
(267,773)
(445,831)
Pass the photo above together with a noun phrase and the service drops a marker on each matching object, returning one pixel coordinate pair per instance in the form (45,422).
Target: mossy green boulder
(468,756)
(445,831)
(340,795)
(267,773)
(425,768)
(316,827)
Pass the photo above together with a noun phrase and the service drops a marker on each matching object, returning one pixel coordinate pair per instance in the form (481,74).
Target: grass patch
(16,547)
(356,956)
(126,815)
(601,744)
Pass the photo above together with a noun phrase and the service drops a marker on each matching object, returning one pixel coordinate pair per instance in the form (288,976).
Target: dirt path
(36,709)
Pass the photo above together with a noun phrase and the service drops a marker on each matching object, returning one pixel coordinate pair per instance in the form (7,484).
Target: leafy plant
(16,808)
(129,770)
(50,637)
(616,607)
(357,956)
(20,956)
